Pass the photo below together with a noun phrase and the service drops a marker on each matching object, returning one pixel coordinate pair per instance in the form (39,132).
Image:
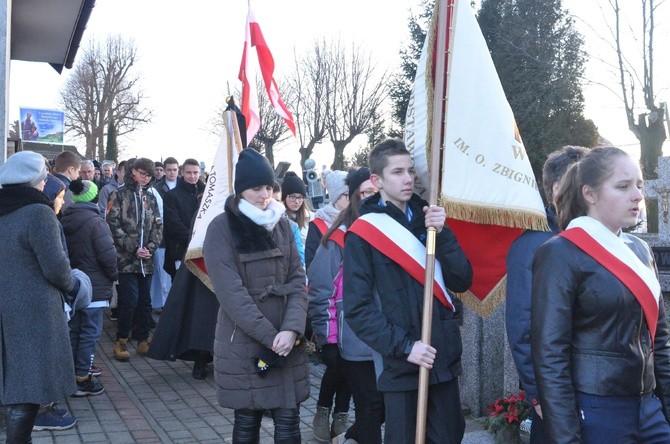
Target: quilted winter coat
(260,285)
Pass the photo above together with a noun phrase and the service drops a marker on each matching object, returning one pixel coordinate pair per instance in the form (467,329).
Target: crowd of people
(585,318)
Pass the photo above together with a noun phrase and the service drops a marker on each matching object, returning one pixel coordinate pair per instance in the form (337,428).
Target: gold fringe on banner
(197,254)
(506,217)
(489,304)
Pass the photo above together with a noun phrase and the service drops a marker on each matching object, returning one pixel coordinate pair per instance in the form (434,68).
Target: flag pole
(436,147)
(229,153)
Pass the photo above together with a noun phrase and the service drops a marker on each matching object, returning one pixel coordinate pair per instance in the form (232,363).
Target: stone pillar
(488,369)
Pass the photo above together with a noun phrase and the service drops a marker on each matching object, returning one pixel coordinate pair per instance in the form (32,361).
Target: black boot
(199,369)
(19,421)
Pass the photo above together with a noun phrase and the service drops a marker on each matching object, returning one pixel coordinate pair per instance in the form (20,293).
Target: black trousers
(333,383)
(368,402)
(445,423)
(248,423)
(537,433)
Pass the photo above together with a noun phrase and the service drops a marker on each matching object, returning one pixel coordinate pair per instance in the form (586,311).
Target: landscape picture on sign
(42,125)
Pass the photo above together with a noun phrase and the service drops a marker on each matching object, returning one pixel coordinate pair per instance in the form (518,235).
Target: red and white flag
(254,39)
(487,184)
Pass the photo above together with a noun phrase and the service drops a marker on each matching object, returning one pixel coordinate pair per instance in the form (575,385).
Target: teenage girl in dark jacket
(598,330)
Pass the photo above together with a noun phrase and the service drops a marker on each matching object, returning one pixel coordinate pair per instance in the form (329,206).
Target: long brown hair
(592,170)
(301,216)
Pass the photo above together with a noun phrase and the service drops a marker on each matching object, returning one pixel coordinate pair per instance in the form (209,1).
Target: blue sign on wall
(42,125)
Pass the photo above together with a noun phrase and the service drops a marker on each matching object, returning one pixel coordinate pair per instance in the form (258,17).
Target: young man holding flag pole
(384,279)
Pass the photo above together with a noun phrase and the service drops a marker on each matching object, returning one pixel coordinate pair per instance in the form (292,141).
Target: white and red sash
(336,236)
(610,251)
(321,225)
(396,242)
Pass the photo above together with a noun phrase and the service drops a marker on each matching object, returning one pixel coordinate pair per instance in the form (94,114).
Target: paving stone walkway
(149,401)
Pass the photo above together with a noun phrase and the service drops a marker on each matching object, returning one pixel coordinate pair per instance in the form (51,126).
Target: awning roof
(49,30)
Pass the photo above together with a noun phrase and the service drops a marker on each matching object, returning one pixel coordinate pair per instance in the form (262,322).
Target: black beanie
(355,178)
(292,184)
(252,170)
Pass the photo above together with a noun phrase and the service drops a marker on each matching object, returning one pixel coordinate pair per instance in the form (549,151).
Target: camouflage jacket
(124,217)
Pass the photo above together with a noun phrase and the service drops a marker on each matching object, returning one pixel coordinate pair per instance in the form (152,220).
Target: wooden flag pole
(439,100)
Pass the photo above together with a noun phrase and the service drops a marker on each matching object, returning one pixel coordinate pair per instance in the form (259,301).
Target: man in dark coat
(520,279)
(180,204)
(383,302)
(169,180)
(186,326)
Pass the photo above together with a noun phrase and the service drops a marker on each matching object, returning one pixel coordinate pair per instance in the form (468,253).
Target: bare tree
(334,94)
(647,126)
(103,88)
(309,98)
(355,96)
(273,129)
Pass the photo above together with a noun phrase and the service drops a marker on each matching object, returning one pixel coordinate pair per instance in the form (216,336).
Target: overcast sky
(189,55)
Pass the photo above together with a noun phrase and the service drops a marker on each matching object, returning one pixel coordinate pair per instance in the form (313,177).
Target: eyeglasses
(143,173)
(296,197)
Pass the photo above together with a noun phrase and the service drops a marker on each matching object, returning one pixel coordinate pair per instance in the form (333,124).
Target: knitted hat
(252,170)
(335,184)
(83,190)
(53,187)
(25,168)
(292,184)
(159,165)
(356,177)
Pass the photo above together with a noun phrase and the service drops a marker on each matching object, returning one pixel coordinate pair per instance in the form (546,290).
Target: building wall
(5,32)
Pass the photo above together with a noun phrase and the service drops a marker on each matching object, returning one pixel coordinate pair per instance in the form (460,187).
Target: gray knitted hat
(25,168)
(335,184)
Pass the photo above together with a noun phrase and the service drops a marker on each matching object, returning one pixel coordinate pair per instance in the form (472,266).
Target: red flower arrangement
(505,416)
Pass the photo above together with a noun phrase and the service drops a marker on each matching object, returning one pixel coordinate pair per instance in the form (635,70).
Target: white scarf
(328,213)
(267,218)
(617,246)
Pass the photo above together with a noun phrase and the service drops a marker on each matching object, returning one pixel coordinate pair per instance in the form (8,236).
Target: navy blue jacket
(91,247)
(383,304)
(517,305)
